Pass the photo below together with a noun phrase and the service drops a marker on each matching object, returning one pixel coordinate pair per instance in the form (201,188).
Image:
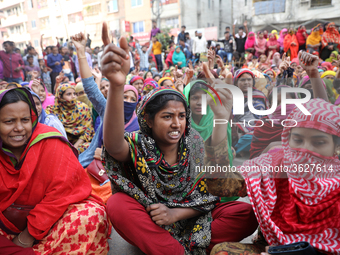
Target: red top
(11,61)
(50,183)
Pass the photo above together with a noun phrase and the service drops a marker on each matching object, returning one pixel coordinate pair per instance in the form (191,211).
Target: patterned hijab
(150,179)
(303,206)
(74,115)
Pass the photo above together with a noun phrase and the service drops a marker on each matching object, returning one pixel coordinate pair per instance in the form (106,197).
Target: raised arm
(41,42)
(79,42)
(115,64)
(245,24)
(234,31)
(150,48)
(138,47)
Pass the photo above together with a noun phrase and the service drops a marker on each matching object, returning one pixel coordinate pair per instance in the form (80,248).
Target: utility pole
(157,10)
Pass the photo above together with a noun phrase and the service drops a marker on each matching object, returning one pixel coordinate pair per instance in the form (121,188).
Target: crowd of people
(57,136)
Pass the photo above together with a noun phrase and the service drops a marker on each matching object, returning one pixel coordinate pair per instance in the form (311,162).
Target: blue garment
(46,77)
(223,54)
(17,80)
(52,59)
(243,143)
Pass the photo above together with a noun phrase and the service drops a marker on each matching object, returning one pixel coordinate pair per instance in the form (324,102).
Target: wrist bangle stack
(25,244)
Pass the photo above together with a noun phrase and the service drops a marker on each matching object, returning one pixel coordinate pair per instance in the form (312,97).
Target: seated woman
(170,211)
(260,45)
(138,83)
(294,211)
(244,79)
(250,43)
(45,202)
(47,119)
(75,116)
(313,41)
(329,41)
(178,58)
(38,87)
(149,84)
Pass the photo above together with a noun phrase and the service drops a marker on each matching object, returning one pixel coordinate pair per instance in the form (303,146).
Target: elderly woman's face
(313,140)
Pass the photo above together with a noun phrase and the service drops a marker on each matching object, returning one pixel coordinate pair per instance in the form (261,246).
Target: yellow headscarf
(275,33)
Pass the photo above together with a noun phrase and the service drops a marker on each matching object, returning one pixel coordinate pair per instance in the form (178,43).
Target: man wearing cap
(199,45)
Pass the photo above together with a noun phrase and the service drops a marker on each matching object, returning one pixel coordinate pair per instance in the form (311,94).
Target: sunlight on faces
(169,123)
(139,86)
(38,105)
(244,82)
(104,87)
(312,140)
(69,95)
(15,126)
(130,96)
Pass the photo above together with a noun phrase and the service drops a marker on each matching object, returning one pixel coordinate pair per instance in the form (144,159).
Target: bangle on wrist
(81,57)
(25,244)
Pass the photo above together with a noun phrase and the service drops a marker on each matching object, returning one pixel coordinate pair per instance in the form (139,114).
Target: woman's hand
(78,143)
(211,57)
(115,61)
(97,74)
(26,240)
(161,214)
(98,154)
(189,73)
(79,41)
(309,63)
(285,63)
(179,85)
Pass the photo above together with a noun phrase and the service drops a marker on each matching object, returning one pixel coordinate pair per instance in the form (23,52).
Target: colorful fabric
(250,42)
(13,83)
(260,44)
(303,206)
(272,41)
(135,78)
(282,37)
(300,37)
(83,98)
(82,229)
(163,79)
(179,57)
(149,84)
(75,116)
(327,65)
(315,37)
(49,100)
(150,179)
(332,73)
(274,32)
(331,35)
(292,50)
(331,59)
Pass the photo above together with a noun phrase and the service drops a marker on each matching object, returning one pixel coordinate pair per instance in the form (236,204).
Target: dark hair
(240,28)
(181,39)
(226,32)
(29,57)
(160,102)
(10,43)
(198,86)
(186,33)
(13,96)
(30,48)
(227,27)
(183,26)
(131,37)
(336,140)
(52,47)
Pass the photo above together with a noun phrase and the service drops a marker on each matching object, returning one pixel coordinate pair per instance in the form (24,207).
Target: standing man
(56,62)
(144,55)
(240,38)
(31,52)
(199,45)
(189,41)
(227,52)
(157,51)
(88,41)
(155,30)
(12,63)
(181,35)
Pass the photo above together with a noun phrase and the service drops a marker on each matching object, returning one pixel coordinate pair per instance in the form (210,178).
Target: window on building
(34,25)
(92,10)
(135,3)
(36,43)
(269,7)
(138,27)
(75,17)
(317,3)
(172,22)
(44,23)
(30,4)
(112,6)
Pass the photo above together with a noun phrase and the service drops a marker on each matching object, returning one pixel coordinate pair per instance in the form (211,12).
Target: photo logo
(204,101)
(238,100)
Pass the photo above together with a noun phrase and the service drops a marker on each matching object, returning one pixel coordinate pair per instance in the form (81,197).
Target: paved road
(118,246)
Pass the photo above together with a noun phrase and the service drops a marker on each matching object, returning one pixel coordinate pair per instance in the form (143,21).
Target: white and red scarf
(302,206)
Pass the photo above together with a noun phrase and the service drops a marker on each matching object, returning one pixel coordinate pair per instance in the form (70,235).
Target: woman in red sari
(330,41)
(45,203)
(291,45)
(272,44)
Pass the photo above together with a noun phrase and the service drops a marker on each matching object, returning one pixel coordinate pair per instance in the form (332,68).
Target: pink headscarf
(282,37)
(130,87)
(49,100)
(250,42)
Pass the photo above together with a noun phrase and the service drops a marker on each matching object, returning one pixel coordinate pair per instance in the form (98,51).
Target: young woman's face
(80,93)
(41,93)
(293,65)
(313,140)
(139,86)
(38,105)
(196,102)
(244,82)
(332,55)
(130,96)
(169,123)
(148,75)
(167,84)
(263,58)
(15,125)
(157,78)
(104,87)
(167,75)
(69,95)
(261,35)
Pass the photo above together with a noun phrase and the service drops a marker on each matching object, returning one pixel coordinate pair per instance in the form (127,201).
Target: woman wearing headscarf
(149,84)
(250,43)
(283,34)
(155,170)
(178,58)
(138,83)
(40,89)
(81,95)
(332,57)
(272,44)
(291,45)
(313,41)
(276,59)
(301,36)
(260,44)
(328,77)
(45,193)
(274,32)
(75,116)
(327,66)
(12,85)
(330,41)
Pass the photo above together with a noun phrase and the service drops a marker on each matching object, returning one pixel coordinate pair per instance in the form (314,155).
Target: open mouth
(174,134)
(18,138)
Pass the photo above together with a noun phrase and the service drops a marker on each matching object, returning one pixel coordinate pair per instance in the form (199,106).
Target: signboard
(127,26)
(142,37)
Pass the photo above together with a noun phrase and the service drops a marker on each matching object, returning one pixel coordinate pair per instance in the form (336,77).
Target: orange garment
(287,44)
(157,48)
(104,192)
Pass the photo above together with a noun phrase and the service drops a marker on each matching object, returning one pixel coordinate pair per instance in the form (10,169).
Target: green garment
(329,86)
(330,59)
(205,128)
(179,57)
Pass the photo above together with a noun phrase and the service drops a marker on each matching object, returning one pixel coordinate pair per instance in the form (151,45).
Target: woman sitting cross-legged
(163,206)
(45,202)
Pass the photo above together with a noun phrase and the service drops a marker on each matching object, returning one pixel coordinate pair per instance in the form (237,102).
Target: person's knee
(117,206)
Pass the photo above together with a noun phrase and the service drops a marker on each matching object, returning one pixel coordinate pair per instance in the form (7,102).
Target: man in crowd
(157,51)
(189,41)
(181,35)
(56,62)
(199,45)
(12,63)
(240,38)
(155,30)
(185,48)
(227,52)
(88,41)
(144,53)
(31,52)
(31,67)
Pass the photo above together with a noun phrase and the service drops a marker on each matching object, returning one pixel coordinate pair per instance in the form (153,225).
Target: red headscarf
(272,41)
(300,37)
(299,206)
(287,43)
(250,41)
(330,36)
